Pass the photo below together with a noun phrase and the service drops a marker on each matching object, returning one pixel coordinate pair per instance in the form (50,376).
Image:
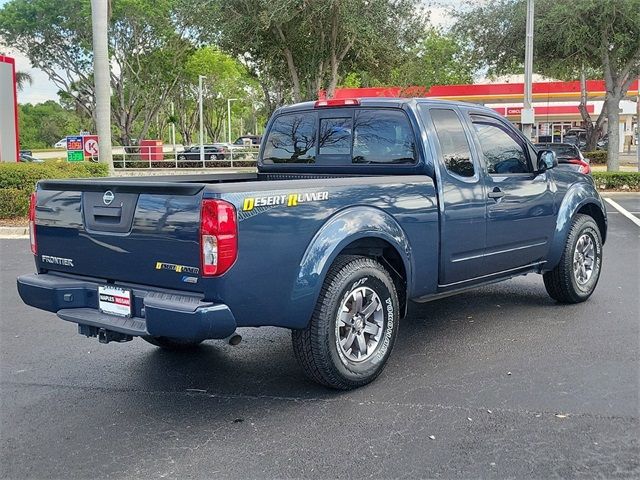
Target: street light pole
(173,131)
(201,135)
(527,116)
(229,100)
(102,76)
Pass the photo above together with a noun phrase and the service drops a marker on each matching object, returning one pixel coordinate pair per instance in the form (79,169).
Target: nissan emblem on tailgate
(108,197)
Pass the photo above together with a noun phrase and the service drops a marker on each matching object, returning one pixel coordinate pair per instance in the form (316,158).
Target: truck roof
(396,102)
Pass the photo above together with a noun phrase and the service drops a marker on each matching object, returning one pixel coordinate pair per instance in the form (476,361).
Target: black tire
(316,347)
(562,283)
(173,344)
(182,157)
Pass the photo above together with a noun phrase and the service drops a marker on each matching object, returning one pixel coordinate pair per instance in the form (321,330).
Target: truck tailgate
(141,232)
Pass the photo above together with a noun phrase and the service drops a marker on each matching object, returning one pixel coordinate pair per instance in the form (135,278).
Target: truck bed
(155,242)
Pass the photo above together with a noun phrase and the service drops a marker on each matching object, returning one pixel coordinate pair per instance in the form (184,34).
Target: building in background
(9,143)
(555,103)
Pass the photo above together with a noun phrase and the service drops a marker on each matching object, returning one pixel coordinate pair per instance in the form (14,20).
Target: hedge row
(625,181)
(597,157)
(18,180)
(184,164)
(13,202)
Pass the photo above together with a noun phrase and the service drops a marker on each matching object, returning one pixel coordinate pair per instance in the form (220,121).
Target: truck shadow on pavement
(264,365)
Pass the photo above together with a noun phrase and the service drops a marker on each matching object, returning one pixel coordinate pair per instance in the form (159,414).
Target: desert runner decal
(177,268)
(288,199)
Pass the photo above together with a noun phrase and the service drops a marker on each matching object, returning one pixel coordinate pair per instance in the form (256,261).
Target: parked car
(211,152)
(603,143)
(62,143)
(358,206)
(568,155)
(577,132)
(580,142)
(29,158)
(251,141)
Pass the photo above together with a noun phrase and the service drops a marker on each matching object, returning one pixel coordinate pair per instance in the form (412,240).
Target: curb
(612,193)
(14,232)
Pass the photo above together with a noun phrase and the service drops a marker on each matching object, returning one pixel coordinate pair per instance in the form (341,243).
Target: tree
(225,78)
(147,51)
(310,44)
(439,59)
(44,124)
(23,78)
(596,35)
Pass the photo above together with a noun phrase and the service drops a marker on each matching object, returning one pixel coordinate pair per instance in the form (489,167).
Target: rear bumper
(156,313)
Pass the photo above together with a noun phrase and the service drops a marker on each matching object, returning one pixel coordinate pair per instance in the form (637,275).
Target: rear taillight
(32,223)
(218,236)
(584,166)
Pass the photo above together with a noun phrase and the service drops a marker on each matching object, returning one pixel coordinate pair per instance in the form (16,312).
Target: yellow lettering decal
(249,203)
(293,200)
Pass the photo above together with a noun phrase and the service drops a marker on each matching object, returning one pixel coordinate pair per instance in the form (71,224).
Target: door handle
(497,194)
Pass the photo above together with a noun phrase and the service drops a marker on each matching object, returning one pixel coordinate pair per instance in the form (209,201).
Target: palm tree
(22,78)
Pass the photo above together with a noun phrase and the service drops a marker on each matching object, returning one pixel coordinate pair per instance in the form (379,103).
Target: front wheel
(575,278)
(353,327)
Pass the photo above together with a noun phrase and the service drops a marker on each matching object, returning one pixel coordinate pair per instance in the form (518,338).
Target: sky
(43,89)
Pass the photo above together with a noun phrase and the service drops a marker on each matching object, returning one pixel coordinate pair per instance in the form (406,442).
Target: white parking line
(623,211)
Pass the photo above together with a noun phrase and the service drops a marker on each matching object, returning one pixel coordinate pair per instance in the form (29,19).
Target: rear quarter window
(383,136)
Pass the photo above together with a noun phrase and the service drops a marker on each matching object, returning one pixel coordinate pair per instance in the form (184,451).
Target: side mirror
(546,160)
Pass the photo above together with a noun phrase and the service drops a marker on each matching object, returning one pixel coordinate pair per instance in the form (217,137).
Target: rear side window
(453,142)
(383,136)
(292,139)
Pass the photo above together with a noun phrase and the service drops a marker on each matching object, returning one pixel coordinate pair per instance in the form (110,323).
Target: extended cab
(358,207)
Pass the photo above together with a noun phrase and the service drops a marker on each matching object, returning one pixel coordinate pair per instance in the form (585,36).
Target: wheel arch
(594,211)
(582,198)
(365,231)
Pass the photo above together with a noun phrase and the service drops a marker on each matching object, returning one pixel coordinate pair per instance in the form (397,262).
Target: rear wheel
(353,327)
(175,344)
(575,278)
(182,157)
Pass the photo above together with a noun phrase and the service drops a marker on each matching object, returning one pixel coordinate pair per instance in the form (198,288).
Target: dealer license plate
(114,300)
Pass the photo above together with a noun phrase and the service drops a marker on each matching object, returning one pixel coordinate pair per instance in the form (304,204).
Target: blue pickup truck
(358,206)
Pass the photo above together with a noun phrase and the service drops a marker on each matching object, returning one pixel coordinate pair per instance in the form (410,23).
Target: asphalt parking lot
(500,382)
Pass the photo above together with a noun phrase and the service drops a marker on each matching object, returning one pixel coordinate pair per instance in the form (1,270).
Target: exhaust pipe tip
(235,339)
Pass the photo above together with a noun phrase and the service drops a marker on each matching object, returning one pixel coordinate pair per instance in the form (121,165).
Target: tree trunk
(293,71)
(591,139)
(612,104)
(101,69)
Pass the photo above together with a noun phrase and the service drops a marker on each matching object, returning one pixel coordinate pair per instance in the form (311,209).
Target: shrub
(597,157)
(617,180)
(25,175)
(18,180)
(14,202)
(187,164)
